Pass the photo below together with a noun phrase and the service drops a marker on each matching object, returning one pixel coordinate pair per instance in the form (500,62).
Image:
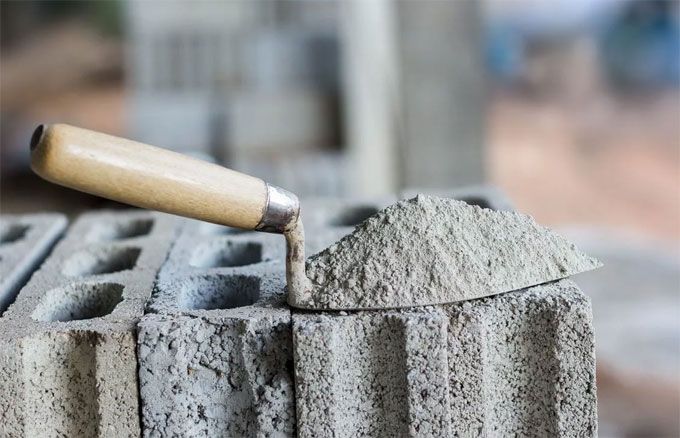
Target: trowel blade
(429,250)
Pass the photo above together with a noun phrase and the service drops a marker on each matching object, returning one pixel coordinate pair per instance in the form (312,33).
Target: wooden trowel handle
(159,179)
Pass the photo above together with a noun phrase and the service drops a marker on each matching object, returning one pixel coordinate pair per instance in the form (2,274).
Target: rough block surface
(68,362)
(25,241)
(485,196)
(520,363)
(215,347)
(517,364)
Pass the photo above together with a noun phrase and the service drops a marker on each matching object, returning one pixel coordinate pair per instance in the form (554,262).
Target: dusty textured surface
(518,364)
(429,250)
(328,220)
(371,374)
(222,375)
(483,195)
(67,344)
(25,241)
(215,349)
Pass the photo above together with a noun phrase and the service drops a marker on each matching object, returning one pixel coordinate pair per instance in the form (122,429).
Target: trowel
(149,177)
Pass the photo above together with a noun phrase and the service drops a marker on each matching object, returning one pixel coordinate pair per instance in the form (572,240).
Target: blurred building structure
(254,83)
(245,82)
(415,80)
(443,84)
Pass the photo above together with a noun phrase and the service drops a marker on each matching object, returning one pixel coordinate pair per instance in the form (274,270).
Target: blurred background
(572,107)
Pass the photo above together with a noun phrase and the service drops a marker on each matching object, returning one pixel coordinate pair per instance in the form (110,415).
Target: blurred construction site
(570,107)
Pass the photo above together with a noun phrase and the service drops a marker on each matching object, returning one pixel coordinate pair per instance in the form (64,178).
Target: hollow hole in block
(225,253)
(474,200)
(108,231)
(353,216)
(10,233)
(79,301)
(102,261)
(209,229)
(220,292)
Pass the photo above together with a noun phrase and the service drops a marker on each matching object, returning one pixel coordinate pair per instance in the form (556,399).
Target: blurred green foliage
(20,18)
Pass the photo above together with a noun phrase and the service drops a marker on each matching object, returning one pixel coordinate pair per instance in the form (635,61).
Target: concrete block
(215,348)
(25,241)
(433,371)
(371,373)
(68,362)
(517,364)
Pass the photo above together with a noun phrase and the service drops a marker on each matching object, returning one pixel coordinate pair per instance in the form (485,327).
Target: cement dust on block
(431,250)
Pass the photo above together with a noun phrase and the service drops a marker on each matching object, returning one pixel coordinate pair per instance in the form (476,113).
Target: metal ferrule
(281,212)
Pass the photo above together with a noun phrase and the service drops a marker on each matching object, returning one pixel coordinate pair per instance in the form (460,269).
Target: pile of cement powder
(429,250)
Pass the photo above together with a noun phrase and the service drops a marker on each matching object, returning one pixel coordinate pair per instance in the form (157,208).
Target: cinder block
(371,373)
(68,362)
(25,241)
(215,348)
(517,364)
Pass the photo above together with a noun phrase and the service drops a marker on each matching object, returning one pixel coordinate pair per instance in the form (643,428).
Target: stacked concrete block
(371,373)
(68,363)
(215,347)
(25,241)
(532,352)
(516,364)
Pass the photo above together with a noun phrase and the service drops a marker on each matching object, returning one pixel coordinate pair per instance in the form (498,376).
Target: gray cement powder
(430,250)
